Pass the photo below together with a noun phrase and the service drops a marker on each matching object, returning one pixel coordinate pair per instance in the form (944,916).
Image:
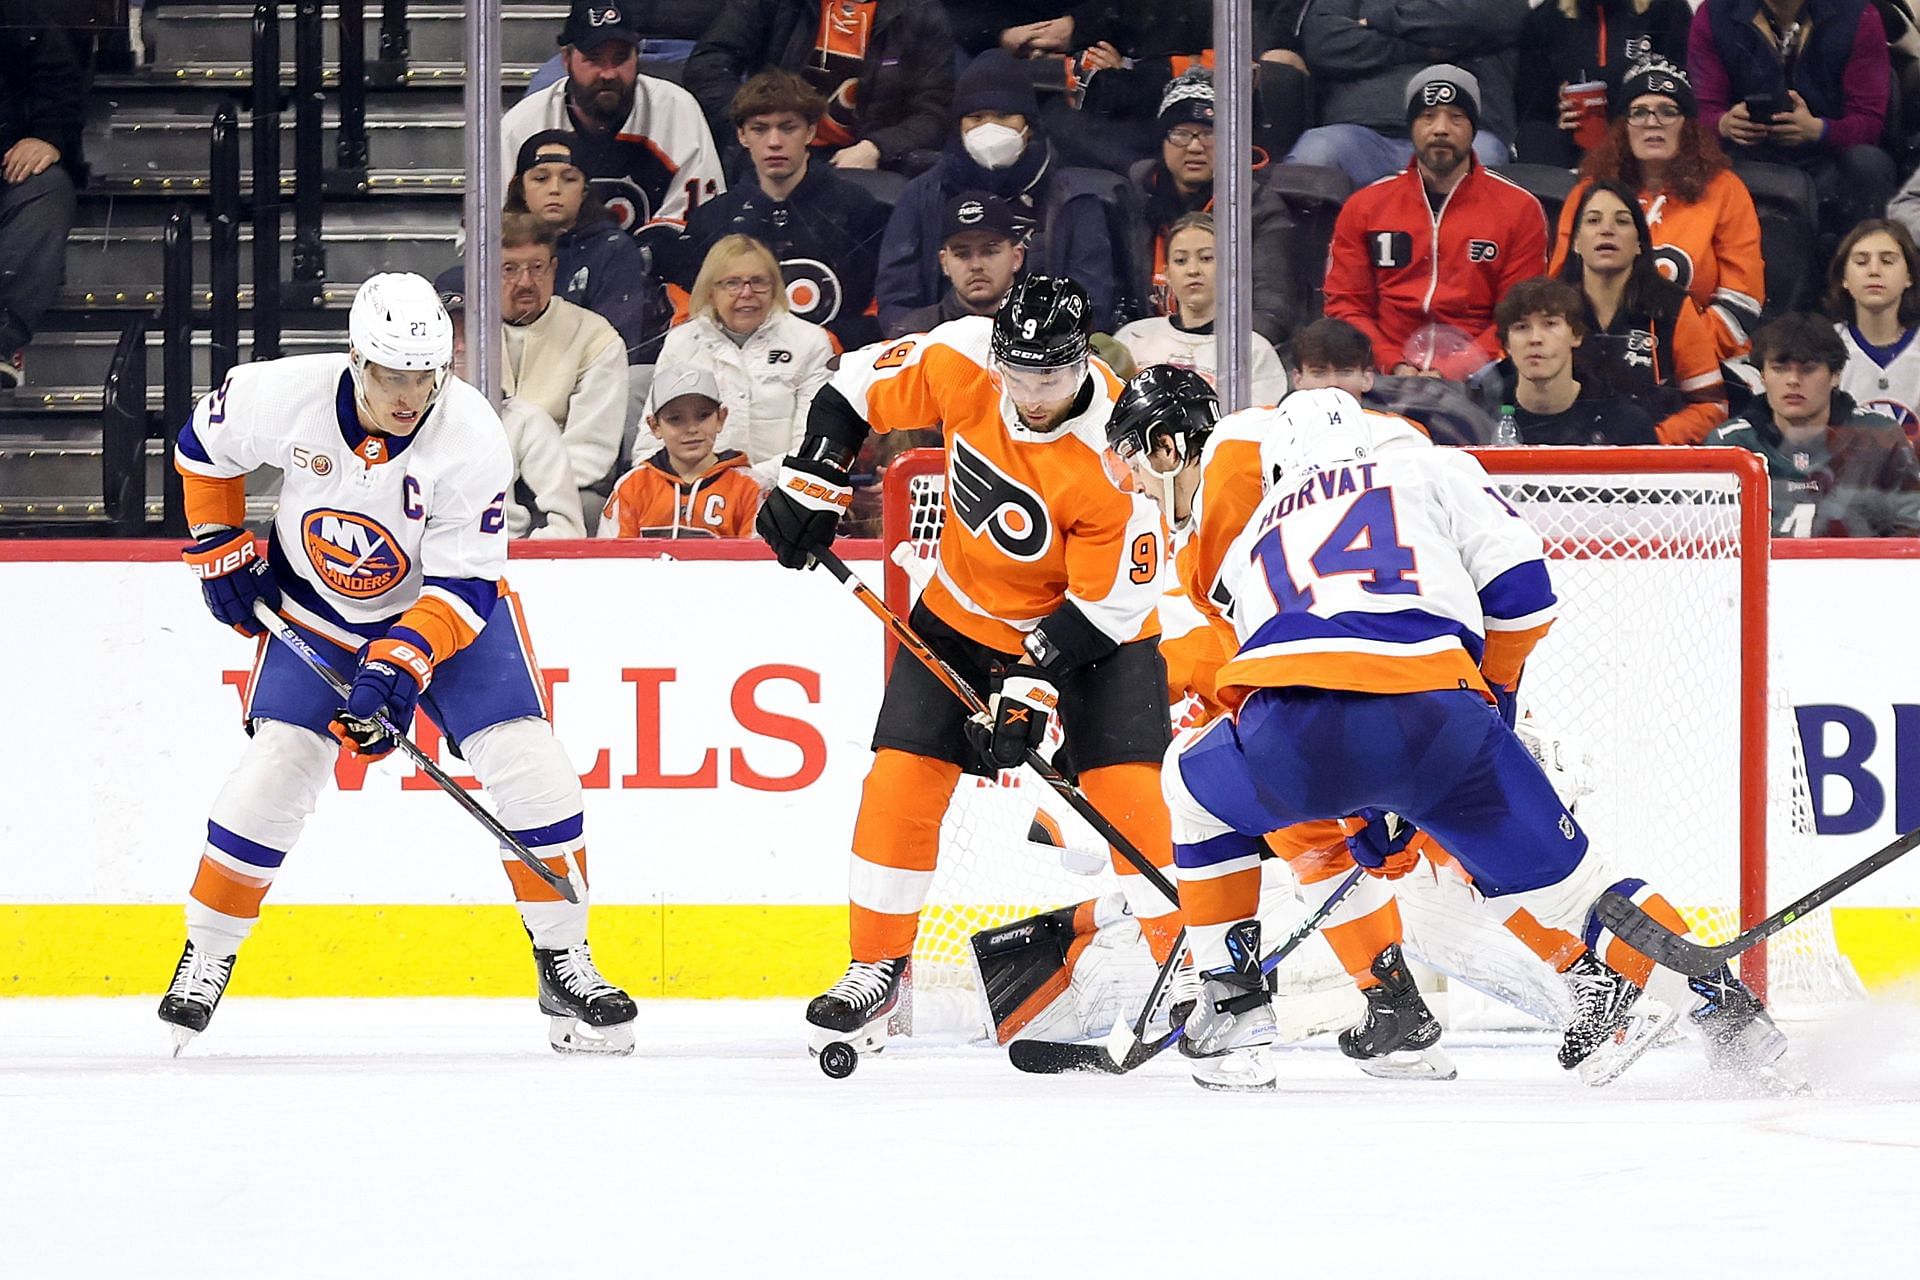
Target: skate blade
(182,1037)
(1645,1024)
(1411,1064)
(570,1035)
(1237,1071)
(870,1039)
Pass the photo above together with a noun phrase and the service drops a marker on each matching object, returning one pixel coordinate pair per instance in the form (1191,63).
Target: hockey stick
(1051,1058)
(1662,945)
(971,700)
(286,635)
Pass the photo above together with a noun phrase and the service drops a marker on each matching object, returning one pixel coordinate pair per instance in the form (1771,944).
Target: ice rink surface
(443,1138)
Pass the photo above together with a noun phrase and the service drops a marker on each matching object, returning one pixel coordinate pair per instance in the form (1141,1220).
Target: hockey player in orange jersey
(1048,574)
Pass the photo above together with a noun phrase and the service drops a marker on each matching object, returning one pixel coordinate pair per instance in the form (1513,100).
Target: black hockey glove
(1016,718)
(802,511)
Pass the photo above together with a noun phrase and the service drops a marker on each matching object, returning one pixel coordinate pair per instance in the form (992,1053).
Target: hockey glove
(1017,716)
(803,510)
(1381,845)
(393,671)
(232,576)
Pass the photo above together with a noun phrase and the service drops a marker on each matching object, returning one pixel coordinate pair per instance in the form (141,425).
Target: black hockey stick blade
(1665,947)
(1049,1058)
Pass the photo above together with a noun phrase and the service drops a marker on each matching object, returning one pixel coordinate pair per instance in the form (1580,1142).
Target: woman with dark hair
(1873,290)
(600,267)
(1706,235)
(1577,52)
(1646,341)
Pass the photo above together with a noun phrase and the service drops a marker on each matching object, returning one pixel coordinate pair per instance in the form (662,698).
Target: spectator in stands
(600,268)
(824,230)
(1645,340)
(1541,328)
(1364,54)
(1837,472)
(1418,262)
(1803,83)
(884,67)
(543,501)
(982,250)
(1179,182)
(1185,339)
(687,488)
(1573,55)
(767,363)
(643,142)
(1873,287)
(1706,235)
(565,359)
(40,120)
(1000,148)
(1332,353)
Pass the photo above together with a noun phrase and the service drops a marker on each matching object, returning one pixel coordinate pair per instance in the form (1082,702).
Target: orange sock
(896,842)
(1128,795)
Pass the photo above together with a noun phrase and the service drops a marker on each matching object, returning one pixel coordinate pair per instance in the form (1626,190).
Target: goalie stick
(1051,1058)
(1650,938)
(911,641)
(286,635)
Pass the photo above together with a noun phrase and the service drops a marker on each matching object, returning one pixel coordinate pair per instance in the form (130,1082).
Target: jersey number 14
(1365,541)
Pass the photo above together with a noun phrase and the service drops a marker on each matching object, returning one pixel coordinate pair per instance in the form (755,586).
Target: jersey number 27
(1365,541)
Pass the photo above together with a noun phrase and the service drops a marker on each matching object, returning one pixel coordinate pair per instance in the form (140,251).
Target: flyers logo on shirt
(991,504)
(353,555)
(813,290)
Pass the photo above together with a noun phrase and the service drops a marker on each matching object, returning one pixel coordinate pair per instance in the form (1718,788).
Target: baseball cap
(557,143)
(980,211)
(451,285)
(1444,85)
(683,380)
(591,23)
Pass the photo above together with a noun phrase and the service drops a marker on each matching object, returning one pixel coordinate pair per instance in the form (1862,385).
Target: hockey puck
(838,1060)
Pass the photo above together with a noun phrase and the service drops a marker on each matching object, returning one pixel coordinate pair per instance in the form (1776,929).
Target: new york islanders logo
(991,504)
(352,554)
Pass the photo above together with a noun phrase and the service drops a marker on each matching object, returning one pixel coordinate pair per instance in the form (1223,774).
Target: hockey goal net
(1652,692)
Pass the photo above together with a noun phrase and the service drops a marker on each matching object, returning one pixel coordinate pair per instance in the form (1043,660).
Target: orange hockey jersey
(1033,519)
(652,501)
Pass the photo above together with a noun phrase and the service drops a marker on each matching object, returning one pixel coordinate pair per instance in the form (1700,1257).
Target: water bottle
(1506,432)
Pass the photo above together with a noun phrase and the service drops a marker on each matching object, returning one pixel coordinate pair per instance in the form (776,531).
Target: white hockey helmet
(399,322)
(1312,430)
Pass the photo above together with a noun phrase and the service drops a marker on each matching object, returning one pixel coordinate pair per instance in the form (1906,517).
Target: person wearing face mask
(1185,338)
(1000,148)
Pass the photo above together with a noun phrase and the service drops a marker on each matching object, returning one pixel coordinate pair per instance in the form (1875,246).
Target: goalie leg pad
(1067,974)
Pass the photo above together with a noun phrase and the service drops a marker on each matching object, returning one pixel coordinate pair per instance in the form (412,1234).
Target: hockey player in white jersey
(1381,598)
(388,555)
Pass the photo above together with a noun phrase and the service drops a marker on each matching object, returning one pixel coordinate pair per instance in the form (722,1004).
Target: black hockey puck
(838,1060)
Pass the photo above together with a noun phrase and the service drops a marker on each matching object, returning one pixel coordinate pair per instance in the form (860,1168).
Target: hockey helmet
(1163,402)
(1046,322)
(398,322)
(1313,430)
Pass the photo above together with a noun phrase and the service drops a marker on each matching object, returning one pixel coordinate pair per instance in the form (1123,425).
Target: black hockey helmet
(1046,322)
(1163,401)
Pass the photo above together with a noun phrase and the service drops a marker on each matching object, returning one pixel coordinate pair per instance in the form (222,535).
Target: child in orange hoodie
(685,490)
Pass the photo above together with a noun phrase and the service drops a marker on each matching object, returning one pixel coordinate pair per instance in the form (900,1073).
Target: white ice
(443,1138)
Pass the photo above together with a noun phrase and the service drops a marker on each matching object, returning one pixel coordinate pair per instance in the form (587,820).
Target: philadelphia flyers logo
(352,554)
(992,505)
(813,290)
(1482,250)
(630,206)
(1673,263)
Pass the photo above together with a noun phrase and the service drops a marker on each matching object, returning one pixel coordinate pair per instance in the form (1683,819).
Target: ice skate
(199,980)
(1739,1034)
(871,1003)
(587,1013)
(1613,1022)
(1231,1025)
(1399,1038)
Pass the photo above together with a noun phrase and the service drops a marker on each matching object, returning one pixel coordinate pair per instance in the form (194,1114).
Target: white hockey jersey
(1893,388)
(1395,572)
(370,528)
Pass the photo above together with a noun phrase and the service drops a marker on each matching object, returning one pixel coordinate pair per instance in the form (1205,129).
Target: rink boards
(717,708)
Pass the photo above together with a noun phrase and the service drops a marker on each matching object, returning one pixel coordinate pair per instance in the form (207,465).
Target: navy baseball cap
(592,23)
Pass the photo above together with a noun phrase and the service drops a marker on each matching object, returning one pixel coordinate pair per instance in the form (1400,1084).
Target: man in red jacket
(1420,259)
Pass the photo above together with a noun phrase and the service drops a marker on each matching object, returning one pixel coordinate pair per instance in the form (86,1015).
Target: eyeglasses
(1653,115)
(1184,137)
(531,270)
(736,285)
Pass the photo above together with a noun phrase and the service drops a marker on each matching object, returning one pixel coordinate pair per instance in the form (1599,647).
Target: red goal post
(1659,664)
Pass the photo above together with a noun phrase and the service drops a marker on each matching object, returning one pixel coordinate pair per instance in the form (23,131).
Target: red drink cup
(1589,100)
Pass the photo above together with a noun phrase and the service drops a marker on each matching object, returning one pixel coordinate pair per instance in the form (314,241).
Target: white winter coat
(767,383)
(540,463)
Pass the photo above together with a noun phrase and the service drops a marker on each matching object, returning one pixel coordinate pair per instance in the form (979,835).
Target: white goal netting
(1650,693)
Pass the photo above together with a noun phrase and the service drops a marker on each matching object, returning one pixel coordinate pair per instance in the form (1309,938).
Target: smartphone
(1763,107)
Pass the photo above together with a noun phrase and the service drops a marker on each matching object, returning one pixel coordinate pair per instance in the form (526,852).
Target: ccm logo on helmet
(353,555)
(990,503)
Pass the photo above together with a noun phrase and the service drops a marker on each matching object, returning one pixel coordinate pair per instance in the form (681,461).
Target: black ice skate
(1613,1021)
(199,980)
(871,1002)
(1739,1035)
(1228,1030)
(588,1013)
(1399,1038)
